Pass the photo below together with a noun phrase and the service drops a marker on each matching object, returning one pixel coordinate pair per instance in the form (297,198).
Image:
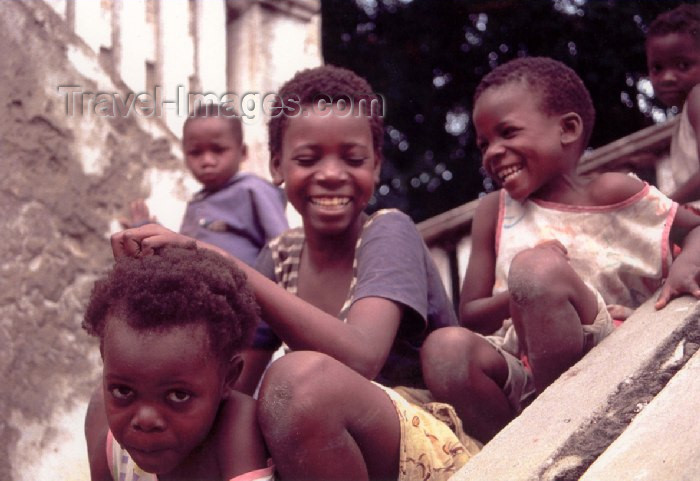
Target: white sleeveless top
(682,162)
(622,250)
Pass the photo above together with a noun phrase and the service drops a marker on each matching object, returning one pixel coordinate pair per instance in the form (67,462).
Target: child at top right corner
(673,59)
(552,250)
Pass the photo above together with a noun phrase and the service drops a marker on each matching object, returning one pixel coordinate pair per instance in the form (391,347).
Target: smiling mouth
(330,201)
(509,172)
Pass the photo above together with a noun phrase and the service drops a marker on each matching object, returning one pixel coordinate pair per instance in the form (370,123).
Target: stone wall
(65,179)
(71,164)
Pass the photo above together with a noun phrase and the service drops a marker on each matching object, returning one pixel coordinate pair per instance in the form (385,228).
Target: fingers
(664,297)
(138,242)
(668,293)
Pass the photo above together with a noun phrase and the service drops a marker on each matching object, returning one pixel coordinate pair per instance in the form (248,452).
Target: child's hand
(682,279)
(138,215)
(146,240)
(618,312)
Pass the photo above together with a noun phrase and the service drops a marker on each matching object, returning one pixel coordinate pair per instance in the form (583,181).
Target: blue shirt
(240,218)
(391,261)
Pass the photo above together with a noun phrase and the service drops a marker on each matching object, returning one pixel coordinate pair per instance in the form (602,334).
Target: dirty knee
(290,393)
(446,358)
(536,273)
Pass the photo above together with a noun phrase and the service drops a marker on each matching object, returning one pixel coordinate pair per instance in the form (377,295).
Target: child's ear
(244,151)
(234,368)
(571,128)
(276,170)
(377,168)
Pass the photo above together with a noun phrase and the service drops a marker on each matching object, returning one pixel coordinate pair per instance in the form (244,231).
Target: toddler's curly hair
(561,89)
(177,287)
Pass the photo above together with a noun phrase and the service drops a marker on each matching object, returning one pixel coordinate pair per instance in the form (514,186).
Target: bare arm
(96,436)
(479,310)
(362,343)
(690,190)
(239,442)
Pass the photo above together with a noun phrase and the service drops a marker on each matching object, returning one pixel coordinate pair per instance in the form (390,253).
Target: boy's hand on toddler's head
(146,240)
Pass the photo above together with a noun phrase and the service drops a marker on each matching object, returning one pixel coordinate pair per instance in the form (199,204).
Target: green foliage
(427,56)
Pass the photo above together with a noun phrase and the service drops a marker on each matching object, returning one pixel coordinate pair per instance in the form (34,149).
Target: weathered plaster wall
(64,180)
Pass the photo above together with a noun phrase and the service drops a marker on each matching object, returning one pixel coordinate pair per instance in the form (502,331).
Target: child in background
(236,211)
(353,295)
(171,327)
(552,250)
(673,58)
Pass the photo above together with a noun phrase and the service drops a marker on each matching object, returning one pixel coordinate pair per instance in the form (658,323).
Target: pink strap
(108,447)
(262,473)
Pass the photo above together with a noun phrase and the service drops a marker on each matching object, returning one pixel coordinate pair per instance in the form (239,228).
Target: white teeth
(509,172)
(330,201)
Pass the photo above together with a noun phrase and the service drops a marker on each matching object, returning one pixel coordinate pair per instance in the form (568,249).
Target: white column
(177,61)
(211,46)
(93,24)
(137,43)
(268,42)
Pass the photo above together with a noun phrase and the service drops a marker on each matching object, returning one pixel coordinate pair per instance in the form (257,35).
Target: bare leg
(462,369)
(549,303)
(323,421)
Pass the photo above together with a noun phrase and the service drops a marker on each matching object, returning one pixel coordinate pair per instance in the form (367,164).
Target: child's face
(520,144)
(162,391)
(212,151)
(329,168)
(674,67)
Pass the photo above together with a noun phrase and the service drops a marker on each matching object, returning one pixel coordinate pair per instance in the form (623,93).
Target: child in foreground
(673,57)
(552,250)
(171,327)
(236,211)
(352,295)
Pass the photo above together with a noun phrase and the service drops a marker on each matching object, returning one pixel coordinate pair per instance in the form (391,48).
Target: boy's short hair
(561,89)
(684,18)
(177,287)
(210,109)
(310,85)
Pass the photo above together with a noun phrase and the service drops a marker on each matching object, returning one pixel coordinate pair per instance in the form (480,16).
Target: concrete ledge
(663,442)
(572,422)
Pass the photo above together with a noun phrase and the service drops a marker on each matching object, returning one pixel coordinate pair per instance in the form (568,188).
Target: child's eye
(355,161)
(304,160)
(217,149)
(683,66)
(178,396)
(509,132)
(121,392)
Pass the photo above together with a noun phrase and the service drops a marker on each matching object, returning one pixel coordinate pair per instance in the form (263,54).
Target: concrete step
(573,422)
(663,441)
